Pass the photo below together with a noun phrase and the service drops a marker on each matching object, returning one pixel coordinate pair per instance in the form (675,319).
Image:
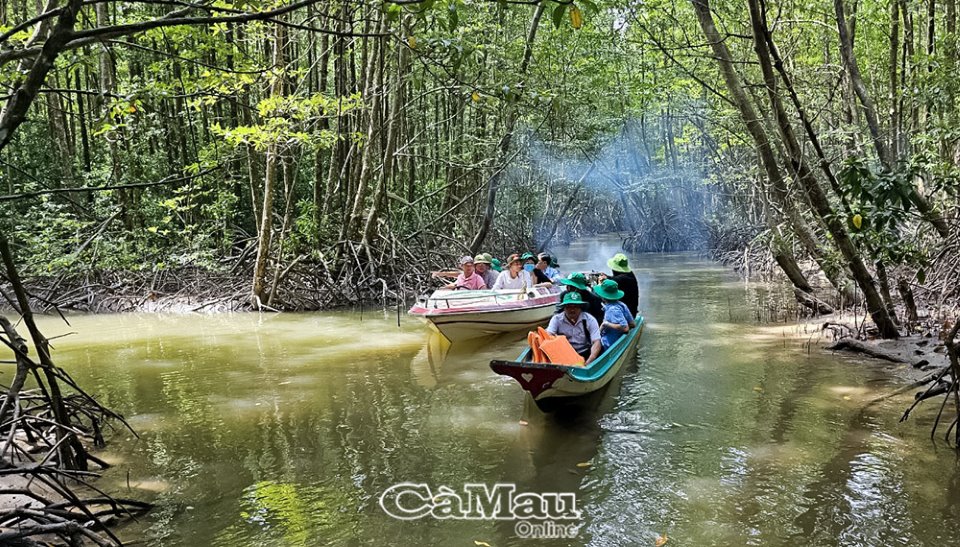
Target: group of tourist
(594,318)
(521,272)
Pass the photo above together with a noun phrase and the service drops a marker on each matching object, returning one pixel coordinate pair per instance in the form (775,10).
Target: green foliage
(882,210)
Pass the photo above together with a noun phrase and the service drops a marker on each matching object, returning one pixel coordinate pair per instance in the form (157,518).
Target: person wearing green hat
(494,263)
(581,329)
(617,320)
(577,281)
(626,281)
(482,265)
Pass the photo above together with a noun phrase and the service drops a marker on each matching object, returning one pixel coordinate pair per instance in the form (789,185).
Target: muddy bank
(914,356)
(200,290)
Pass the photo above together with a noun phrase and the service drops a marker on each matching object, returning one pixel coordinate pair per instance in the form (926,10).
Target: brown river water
(285,429)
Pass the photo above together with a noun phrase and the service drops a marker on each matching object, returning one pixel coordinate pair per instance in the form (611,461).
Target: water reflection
(284,429)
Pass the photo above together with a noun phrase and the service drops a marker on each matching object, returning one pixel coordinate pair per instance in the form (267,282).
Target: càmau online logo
(411,501)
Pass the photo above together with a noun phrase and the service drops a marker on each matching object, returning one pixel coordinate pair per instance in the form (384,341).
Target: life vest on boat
(558,350)
(549,348)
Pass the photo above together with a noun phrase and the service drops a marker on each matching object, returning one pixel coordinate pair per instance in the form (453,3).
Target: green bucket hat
(481,259)
(608,290)
(495,264)
(527,256)
(576,280)
(574,298)
(619,263)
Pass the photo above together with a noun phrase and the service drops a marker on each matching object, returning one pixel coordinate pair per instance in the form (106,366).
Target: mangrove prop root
(44,434)
(948,388)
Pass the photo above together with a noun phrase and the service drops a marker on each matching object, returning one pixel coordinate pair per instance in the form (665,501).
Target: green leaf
(558,14)
(592,6)
(454,19)
(393,12)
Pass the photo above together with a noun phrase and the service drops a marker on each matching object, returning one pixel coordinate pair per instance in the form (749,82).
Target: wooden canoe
(552,385)
(463,314)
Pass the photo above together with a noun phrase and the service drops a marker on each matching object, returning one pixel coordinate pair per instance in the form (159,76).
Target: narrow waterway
(285,429)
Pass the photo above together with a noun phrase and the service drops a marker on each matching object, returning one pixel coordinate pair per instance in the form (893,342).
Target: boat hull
(459,318)
(475,325)
(554,385)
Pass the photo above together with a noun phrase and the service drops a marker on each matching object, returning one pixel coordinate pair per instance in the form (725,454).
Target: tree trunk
(503,148)
(894,81)
(906,293)
(259,293)
(23,92)
(849,58)
(815,194)
(387,169)
(374,90)
(767,157)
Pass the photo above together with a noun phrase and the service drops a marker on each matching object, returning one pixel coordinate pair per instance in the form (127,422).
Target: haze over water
(284,429)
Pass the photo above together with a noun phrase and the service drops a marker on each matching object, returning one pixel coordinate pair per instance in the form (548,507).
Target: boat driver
(581,329)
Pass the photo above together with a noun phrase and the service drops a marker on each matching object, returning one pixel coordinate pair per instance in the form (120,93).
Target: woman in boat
(468,278)
(617,320)
(578,282)
(514,277)
(581,329)
(484,270)
(626,281)
(530,265)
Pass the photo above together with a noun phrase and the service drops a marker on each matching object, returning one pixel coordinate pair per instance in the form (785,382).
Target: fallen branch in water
(851,344)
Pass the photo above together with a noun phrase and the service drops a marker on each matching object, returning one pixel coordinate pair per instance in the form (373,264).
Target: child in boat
(617,320)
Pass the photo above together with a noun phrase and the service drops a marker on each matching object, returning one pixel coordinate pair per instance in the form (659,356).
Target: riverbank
(913,357)
(302,287)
